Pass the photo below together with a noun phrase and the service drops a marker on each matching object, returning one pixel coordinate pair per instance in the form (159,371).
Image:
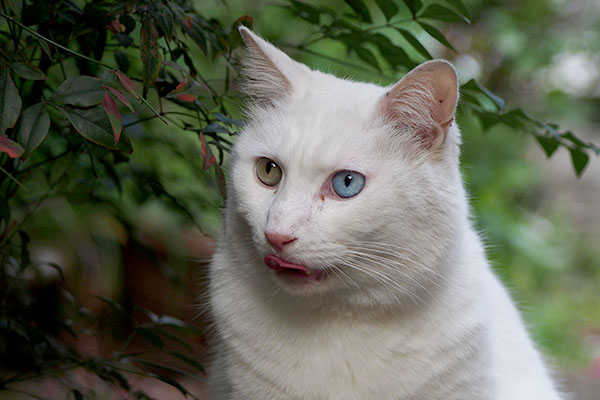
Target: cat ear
(268,70)
(424,101)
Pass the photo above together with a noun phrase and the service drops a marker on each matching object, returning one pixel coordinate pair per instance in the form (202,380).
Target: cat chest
(340,361)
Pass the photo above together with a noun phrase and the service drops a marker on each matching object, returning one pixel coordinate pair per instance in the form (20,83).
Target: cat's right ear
(269,72)
(424,102)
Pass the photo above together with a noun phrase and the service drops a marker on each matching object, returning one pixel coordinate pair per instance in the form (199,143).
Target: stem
(139,121)
(17,228)
(389,24)
(153,110)
(14,179)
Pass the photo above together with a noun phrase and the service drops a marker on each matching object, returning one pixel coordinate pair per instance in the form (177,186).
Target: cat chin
(295,281)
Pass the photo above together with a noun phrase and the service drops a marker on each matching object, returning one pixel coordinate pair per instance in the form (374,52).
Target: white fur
(418,314)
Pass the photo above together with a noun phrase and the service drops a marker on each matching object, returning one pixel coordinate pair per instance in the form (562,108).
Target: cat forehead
(325,95)
(325,124)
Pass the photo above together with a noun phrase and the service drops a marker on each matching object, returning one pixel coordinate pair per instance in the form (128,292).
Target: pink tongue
(277,264)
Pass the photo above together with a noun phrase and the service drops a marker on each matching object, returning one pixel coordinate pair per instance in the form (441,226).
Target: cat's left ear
(269,72)
(424,101)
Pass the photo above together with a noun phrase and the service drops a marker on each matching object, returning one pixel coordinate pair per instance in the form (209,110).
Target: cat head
(344,189)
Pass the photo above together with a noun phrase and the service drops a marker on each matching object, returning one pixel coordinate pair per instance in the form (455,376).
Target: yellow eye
(268,171)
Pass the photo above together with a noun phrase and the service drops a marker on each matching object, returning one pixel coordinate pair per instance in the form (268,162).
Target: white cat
(348,267)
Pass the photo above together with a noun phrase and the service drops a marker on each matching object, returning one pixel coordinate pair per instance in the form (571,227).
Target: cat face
(341,188)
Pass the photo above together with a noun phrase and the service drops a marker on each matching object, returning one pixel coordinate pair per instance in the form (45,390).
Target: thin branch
(14,179)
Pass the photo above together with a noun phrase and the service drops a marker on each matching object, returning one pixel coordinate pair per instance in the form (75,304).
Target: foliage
(79,82)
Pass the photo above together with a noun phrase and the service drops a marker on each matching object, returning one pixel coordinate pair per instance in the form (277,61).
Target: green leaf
(414,6)
(107,372)
(164,18)
(360,9)
(34,126)
(80,91)
(198,36)
(213,127)
(477,87)
(549,144)
(579,159)
(515,119)
(436,34)
(305,11)
(439,12)
(10,102)
(45,48)
(77,394)
(458,4)
(367,56)
(188,360)
(28,71)
(393,54)
(150,336)
(228,120)
(488,119)
(388,8)
(234,39)
(173,383)
(93,125)
(14,7)
(10,147)
(574,139)
(167,320)
(414,42)
(184,340)
(122,60)
(61,167)
(149,51)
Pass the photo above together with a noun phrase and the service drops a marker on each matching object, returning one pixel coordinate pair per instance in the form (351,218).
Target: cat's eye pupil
(348,180)
(269,166)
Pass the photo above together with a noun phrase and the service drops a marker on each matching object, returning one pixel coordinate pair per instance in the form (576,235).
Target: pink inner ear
(425,99)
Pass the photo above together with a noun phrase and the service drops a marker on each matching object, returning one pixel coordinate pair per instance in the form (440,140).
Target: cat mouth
(291,271)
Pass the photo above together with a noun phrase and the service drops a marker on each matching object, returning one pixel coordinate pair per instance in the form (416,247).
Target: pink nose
(278,240)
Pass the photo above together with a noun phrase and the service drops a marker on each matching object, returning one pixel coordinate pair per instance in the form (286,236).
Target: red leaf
(245,20)
(127,83)
(209,158)
(114,116)
(181,84)
(188,22)
(187,90)
(12,148)
(186,97)
(220,177)
(119,95)
(116,27)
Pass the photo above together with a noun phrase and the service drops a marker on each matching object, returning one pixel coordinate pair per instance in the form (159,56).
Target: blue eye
(347,183)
